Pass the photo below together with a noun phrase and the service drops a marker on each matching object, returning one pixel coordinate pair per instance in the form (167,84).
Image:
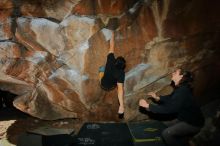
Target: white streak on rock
(134,76)
(85,77)
(21,20)
(83,47)
(37,57)
(73,75)
(134,8)
(48,34)
(35,23)
(160,18)
(136,70)
(107,33)
(78,19)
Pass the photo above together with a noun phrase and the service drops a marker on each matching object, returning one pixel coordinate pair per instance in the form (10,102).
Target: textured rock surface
(5,20)
(50,52)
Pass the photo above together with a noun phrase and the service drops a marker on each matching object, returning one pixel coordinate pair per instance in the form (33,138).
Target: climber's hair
(120,63)
(186,79)
(187,76)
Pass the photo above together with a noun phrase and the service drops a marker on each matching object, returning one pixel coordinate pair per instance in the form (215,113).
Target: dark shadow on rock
(12,114)
(15,14)
(16,129)
(6,99)
(7,110)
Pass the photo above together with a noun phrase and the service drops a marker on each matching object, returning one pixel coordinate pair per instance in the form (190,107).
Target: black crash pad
(104,134)
(30,139)
(147,133)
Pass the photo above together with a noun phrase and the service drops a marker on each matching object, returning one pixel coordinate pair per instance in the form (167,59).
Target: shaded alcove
(6,99)
(7,109)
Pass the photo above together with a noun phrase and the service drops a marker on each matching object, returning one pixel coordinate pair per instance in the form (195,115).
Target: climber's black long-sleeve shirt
(180,101)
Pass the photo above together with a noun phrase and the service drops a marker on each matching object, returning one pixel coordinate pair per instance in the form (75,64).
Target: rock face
(51,51)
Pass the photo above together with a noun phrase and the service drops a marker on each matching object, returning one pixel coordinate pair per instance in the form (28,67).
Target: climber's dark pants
(178,133)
